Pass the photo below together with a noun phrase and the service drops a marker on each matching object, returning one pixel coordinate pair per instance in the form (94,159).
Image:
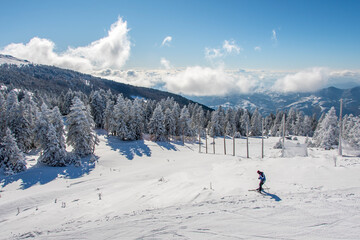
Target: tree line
(29,122)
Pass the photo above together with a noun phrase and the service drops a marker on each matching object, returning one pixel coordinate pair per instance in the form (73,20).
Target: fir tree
(80,126)
(156,124)
(328,133)
(12,159)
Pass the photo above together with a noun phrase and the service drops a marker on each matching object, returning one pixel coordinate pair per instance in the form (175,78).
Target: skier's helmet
(258,171)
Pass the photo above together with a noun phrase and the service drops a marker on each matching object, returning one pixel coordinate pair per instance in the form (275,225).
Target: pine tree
(80,126)
(136,120)
(185,122)
(328,134)
(98,106)
(169,122)
(3,116)
(109,117)
(119,120)
(12,159)
(245,123)
(156,124)
(256,123)
(58,123)
(53,147)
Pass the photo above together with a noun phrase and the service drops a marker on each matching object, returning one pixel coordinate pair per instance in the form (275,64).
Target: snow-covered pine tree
(3,116)
(98,105)
(58,123)
(328,134)
(53,150)
(245,122)
(108,117)
(12,159)
(80,127)
(120,116)
(291,121)
(176,114)
(276,129)
(169,122)
(136,120)
(256,123)
(298,127)
(156,124)
(230,125)
(66,104)
(23,130)
(30,113)
(307,126)
(185,123)
(53,153)
(269,121)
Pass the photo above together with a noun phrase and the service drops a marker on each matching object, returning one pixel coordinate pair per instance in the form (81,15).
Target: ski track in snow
(147,190)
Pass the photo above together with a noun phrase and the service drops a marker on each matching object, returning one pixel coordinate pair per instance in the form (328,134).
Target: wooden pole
(247,141)
(183,137)
(340,134)
(262,138)
(283,137)
(206,143)
(224,144)
(234,145)
(199,142)
(214,144)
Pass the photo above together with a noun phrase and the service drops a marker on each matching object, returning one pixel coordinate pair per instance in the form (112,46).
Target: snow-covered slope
(149,190)
(12,60)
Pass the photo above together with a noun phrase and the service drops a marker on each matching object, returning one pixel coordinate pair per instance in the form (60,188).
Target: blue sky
(264,35)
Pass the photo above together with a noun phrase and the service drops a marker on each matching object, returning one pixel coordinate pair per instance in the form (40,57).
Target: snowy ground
(154,190)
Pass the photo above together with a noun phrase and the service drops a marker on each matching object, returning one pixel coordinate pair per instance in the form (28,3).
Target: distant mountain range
(314,102)
(17,73)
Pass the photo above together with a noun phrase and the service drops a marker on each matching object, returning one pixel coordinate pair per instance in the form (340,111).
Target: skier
(262,180)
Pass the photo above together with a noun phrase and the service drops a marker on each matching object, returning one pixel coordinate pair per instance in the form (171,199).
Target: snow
(7,59)
(166,190)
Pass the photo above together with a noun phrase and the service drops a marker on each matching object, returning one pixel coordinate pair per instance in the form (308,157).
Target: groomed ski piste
(168,190)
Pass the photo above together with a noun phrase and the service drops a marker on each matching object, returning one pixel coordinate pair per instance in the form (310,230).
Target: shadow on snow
(128,149)
(273,196)
(41,174)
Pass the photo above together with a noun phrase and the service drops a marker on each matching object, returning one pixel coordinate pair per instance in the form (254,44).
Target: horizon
(201,48)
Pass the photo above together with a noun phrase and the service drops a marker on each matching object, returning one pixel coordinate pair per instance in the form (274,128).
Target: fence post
(247,141)
(234,145)
(214,144)
(206,143)
(262,138)
(199,142)
(225,144)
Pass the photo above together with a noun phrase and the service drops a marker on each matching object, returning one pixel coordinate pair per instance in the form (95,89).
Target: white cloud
(166,41)
(205,81)
(274,36)
(230,46)
(257,49)
(304,81)
(111,51)
(213,53)
(165,63)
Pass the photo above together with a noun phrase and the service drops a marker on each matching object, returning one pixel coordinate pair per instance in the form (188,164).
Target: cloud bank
(205,81)
(303,81)
(111,51)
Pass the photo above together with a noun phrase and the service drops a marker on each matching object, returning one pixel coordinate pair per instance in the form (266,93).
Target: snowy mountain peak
(7,59)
